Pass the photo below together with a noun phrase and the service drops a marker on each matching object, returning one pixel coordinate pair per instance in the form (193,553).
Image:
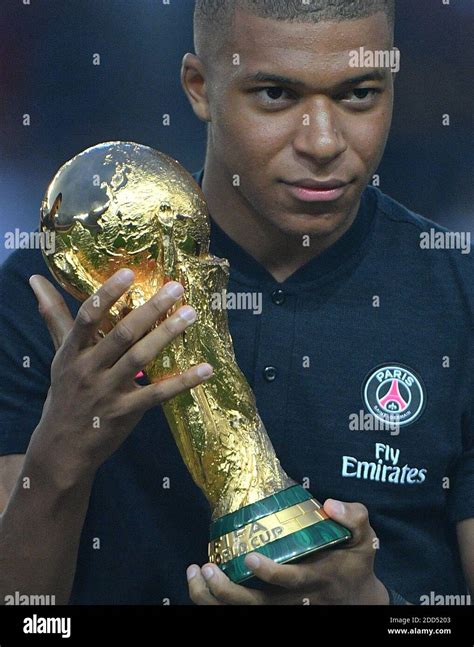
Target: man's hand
(339,575)
(94,403)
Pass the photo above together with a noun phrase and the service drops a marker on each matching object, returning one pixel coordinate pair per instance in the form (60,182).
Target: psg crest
(394,393)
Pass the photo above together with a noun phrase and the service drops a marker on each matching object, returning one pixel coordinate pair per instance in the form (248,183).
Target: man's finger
(126,348)
(227,591)
(94,309)
(151,395)
(353,516)
(198,591)
(148,348)
(288,576)
(52,308)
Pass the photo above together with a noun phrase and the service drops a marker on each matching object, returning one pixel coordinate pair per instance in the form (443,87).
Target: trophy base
(284,526)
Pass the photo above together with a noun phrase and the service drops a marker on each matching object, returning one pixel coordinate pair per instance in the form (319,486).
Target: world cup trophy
(122,204)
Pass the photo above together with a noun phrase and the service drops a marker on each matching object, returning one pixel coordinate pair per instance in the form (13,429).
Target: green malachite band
(298,544)
(250,513)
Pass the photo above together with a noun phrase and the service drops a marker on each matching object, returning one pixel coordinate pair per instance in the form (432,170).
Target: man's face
(319,125)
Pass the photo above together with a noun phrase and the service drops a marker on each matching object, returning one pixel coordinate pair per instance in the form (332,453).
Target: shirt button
(278,297)
(269,373)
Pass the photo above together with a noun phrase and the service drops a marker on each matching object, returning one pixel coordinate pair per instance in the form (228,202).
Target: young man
(357,317)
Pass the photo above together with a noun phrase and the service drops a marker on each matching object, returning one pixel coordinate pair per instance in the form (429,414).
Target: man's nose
(319,135)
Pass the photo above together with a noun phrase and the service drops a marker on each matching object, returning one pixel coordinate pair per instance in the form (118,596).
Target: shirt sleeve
(26,351)
(461,499)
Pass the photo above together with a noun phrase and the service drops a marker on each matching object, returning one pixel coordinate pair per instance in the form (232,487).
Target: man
(357,317)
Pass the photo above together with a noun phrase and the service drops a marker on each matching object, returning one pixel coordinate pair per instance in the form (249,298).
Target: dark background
(46,70)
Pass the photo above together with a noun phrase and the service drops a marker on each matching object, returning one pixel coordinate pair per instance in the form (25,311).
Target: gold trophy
(122,204)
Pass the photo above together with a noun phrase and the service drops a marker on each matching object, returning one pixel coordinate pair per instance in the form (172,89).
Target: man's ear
(194,85)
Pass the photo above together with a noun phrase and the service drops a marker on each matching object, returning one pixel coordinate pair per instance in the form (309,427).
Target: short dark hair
(213,19)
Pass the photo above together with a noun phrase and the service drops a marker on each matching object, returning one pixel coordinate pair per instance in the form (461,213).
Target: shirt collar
(339,257)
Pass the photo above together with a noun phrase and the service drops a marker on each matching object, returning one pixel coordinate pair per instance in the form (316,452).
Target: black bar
(226,623)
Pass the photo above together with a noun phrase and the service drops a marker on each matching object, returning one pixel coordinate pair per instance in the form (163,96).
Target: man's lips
(310,190)
(309,183)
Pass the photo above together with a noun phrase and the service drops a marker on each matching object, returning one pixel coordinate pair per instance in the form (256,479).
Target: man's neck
(280,254)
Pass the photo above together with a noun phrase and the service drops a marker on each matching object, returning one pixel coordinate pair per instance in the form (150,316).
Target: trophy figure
(121,204)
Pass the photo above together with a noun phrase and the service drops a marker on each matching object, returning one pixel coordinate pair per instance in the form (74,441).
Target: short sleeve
(26,350)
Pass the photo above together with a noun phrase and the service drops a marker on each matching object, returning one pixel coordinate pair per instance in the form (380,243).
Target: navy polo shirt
(374,325)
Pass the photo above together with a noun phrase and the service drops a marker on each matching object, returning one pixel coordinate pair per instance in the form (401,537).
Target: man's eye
(272,94)
(360,95)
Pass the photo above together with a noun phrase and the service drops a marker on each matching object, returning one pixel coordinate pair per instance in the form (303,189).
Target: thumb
(52,308)
(353,516)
